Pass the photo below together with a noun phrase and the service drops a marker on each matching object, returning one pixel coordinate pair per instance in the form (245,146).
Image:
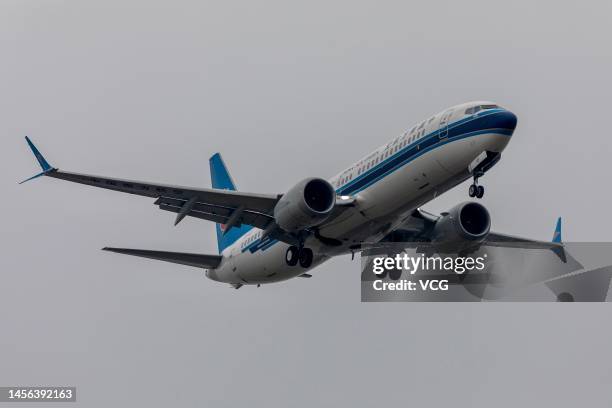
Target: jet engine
(466,225)
(305,205)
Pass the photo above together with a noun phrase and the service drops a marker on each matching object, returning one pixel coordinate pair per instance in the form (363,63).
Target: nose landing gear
(478,168)
(475,190)
(302,255)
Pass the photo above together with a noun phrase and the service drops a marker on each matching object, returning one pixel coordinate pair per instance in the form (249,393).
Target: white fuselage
(388,184)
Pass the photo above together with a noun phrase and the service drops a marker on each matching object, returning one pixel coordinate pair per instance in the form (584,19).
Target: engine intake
(465,225)
(474,219)
(305,205)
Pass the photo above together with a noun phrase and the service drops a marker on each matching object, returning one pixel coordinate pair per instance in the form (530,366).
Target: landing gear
(306,257)
(480,192)
(302,255)
(479,167)
(475,190)
(292,256)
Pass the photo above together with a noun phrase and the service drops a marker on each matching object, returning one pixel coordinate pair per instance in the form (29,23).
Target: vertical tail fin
(221,179)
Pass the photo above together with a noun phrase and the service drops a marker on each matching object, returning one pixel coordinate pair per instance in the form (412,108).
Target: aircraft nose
(505,120)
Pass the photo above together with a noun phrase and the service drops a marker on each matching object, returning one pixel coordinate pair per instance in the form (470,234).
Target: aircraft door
(443,125)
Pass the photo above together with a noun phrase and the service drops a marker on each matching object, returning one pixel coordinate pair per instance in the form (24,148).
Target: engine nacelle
(464,226)
(307,204)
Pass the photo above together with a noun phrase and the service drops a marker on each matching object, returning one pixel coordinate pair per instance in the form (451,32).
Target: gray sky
(149,91)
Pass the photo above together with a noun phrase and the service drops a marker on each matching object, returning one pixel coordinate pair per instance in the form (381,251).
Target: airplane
(266,238)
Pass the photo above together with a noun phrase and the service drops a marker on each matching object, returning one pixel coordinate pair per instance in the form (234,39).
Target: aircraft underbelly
(263,266)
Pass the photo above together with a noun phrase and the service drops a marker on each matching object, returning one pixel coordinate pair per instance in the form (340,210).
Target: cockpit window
(483,107)
(475,109)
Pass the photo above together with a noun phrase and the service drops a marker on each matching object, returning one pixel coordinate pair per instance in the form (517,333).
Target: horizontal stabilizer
(197,260)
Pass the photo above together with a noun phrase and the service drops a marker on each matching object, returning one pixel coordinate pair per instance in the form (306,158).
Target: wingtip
(44,164)
(35,176)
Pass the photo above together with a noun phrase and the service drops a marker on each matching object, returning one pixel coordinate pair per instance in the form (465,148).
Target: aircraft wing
(222,206)
(496,239)
(206,203)
(416,233)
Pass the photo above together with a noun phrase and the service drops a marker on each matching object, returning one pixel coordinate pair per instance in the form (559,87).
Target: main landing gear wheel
(480,192)
(292,256)
(305,257)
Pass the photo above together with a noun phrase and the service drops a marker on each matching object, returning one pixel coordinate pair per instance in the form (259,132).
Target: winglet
(46,167)
(557,239)
(557,234)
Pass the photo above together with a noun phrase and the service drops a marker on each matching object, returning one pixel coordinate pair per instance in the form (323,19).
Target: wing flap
(183,258)
(215,213)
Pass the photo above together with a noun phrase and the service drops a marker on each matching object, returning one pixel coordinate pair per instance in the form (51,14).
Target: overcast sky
(149,90)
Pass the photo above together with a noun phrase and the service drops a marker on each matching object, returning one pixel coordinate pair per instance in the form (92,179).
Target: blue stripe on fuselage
(258,244)
(460,129)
